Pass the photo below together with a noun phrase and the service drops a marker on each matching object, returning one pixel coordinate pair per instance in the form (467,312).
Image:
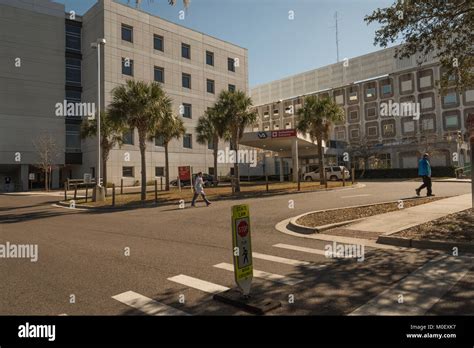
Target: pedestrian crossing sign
(242,247)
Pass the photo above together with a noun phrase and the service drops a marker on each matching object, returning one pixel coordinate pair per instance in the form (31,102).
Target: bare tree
(48,155)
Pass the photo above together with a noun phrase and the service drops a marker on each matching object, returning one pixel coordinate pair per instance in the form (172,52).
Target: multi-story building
(60,64)
(363,87)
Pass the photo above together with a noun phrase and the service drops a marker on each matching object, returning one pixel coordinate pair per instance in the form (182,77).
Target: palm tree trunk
(216,151)
(167,166)
(322,170)
(46,180)
(143,164)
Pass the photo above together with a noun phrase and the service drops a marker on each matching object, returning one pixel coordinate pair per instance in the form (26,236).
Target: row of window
(159,45)
(427,124)
(159,76)
(128,139)
(129,172)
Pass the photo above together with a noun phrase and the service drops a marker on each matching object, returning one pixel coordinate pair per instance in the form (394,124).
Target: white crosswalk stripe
(286,261)
(298,248)
(146,305)
(263,275)
(198,284)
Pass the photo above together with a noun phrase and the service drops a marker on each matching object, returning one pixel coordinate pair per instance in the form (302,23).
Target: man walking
(199,190)
(424,170)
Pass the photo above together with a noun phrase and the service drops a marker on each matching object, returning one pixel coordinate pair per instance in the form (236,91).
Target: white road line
(364,195)
(287,261)
(146,305)
(198,284)
(277,278)
(420,290)
(303,249)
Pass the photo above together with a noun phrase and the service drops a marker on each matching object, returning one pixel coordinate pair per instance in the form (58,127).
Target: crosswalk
(153,307)
(421,289)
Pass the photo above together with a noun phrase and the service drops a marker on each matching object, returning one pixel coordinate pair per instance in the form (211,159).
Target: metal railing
(463,171)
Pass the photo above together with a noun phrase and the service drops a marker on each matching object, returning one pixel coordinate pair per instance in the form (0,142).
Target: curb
(295,227)
(425,244)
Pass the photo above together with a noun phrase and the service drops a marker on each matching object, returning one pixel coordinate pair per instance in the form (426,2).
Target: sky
(277,45)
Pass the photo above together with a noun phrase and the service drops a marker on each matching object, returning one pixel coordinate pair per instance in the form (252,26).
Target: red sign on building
(184,173)
(287,133)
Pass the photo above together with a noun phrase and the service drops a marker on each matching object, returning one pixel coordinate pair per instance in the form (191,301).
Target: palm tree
(170,127)
(209,131)
(315,118)
(110,135)
(171,2)
(233,108)
(142,106)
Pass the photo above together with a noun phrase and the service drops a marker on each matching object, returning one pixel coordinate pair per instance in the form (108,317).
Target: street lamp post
(99,190)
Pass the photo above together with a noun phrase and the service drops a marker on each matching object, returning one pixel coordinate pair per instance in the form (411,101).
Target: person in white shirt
(199,190)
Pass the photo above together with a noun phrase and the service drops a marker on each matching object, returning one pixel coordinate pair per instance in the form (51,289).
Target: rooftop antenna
(337,37)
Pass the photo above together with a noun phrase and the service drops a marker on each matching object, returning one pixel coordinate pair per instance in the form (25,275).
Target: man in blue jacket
(424,170)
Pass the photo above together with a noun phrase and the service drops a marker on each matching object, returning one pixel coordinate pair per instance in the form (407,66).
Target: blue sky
(278,47)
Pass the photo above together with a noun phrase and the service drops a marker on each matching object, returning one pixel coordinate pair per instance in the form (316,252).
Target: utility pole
(337,37)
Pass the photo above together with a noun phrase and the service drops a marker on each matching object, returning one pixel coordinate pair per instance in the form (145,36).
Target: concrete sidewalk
(396,221)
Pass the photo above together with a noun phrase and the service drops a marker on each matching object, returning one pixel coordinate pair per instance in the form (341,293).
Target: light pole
(99,190)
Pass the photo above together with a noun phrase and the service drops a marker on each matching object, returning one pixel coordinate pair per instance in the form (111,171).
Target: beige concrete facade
(105,19)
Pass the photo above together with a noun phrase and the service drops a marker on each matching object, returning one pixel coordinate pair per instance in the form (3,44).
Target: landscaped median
(175,196)
(322,220)
(443,223)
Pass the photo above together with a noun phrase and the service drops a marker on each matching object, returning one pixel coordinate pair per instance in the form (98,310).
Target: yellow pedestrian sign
(242,247)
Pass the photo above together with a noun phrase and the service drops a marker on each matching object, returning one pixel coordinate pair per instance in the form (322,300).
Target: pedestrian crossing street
(422,288)
(153,307)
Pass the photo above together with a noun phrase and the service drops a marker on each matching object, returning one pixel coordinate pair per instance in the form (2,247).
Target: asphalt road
(83,257)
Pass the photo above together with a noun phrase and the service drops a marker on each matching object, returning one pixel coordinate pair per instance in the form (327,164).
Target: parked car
(333,173)
(208,181)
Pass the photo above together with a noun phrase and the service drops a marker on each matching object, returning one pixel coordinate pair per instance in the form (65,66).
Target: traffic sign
(242,247)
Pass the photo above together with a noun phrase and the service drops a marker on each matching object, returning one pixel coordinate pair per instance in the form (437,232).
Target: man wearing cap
(424,170)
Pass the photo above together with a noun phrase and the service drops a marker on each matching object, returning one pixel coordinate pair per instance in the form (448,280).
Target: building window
(210,86)
(288,125)
(276,127)
(353,115)
(188,141)
(127,66)
(127,33)
(127,172)
(159,141)
(231,64)
(427,123)
(388,130)
(451,120)
(187,110)
(231,88)
(408,126)
(426,101)
(266,114)
(158,43)
(210,145)
(450,99)
(341,135)
(73,138)
(185,51)
(73,71)
(372,131)
(159,171)
(73,37)
(386,90)
(354,134)
(406,83)
(73,96)
(384,161)
(353,96)
(209,58)
(128,137)
(186,79)
(159,74)
(210,170)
